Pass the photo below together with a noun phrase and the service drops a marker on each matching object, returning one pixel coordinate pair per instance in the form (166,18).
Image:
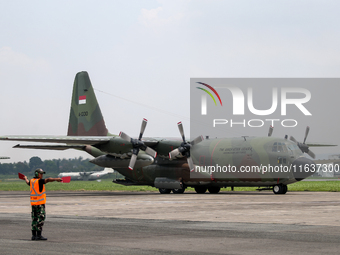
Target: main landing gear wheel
(214,190)
(280,189)
(164,191)
(200,189)
(178,191)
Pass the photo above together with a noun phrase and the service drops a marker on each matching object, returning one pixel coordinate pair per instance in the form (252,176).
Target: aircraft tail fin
(86,118)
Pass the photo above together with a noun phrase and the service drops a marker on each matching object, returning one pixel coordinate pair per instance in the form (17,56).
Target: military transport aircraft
(86,176)
(175,164)
(4,157)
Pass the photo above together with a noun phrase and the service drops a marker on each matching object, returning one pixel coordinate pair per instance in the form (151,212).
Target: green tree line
(51,167)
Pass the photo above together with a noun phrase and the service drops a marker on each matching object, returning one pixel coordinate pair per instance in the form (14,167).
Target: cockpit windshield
(279,147)
(293,147)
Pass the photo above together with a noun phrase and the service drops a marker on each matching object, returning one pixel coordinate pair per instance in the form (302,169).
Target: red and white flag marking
(82,100)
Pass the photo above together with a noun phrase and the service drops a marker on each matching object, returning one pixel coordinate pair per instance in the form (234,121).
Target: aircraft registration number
(83,114)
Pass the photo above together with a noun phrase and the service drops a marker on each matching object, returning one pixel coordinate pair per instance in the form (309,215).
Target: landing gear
(178,191)
(200,189)
(214,190)
(280,189)
(164,191)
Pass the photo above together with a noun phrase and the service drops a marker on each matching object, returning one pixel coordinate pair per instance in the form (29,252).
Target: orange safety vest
(37,197)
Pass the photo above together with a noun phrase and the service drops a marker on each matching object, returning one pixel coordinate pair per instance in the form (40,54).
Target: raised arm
(53,180)
(26,180)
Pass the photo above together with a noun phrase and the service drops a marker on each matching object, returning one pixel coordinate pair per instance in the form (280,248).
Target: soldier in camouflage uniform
(38,218)
(38,200)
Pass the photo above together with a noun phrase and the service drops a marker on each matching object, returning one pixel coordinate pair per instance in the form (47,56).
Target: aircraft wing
(80,140)
(85,140)
(326,161)
(94,144)
(50,147)
(320,145)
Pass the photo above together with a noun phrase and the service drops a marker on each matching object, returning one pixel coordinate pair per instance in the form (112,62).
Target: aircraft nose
(302,168)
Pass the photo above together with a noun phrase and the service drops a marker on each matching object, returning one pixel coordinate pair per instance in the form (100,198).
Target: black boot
(34,235)
(40,237)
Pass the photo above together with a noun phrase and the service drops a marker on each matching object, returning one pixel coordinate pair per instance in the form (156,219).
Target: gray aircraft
(86,176)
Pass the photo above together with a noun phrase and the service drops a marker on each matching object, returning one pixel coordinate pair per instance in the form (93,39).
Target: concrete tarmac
(151,223)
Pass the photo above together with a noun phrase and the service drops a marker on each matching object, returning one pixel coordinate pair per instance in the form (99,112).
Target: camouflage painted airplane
(4,157)
(86,176)
(175,164)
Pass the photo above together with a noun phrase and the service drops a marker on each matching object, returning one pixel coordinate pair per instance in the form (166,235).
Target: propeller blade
(293,139)
(151,152)
(270,132)
(180,127)
(197,140)
(191,164)
(306,134)
(142,128)
(311,154)
(185,147)
(174,153)
(132,161)
(125,136)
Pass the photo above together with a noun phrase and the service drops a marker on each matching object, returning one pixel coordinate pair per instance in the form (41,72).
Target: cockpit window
(293,147)
(279,147)
(274,147)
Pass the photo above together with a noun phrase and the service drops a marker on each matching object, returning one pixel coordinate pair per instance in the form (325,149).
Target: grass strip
(107,185)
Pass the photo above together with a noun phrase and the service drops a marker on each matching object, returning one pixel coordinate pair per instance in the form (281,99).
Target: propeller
(138,144)
(270,132)
(185,147)
(303,146)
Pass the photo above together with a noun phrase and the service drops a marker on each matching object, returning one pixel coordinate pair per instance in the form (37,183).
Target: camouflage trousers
(38,217)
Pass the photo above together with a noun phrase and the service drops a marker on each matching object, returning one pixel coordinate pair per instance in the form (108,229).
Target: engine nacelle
(113,162)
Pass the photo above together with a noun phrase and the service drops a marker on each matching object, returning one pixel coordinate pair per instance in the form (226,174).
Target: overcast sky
(146,52)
